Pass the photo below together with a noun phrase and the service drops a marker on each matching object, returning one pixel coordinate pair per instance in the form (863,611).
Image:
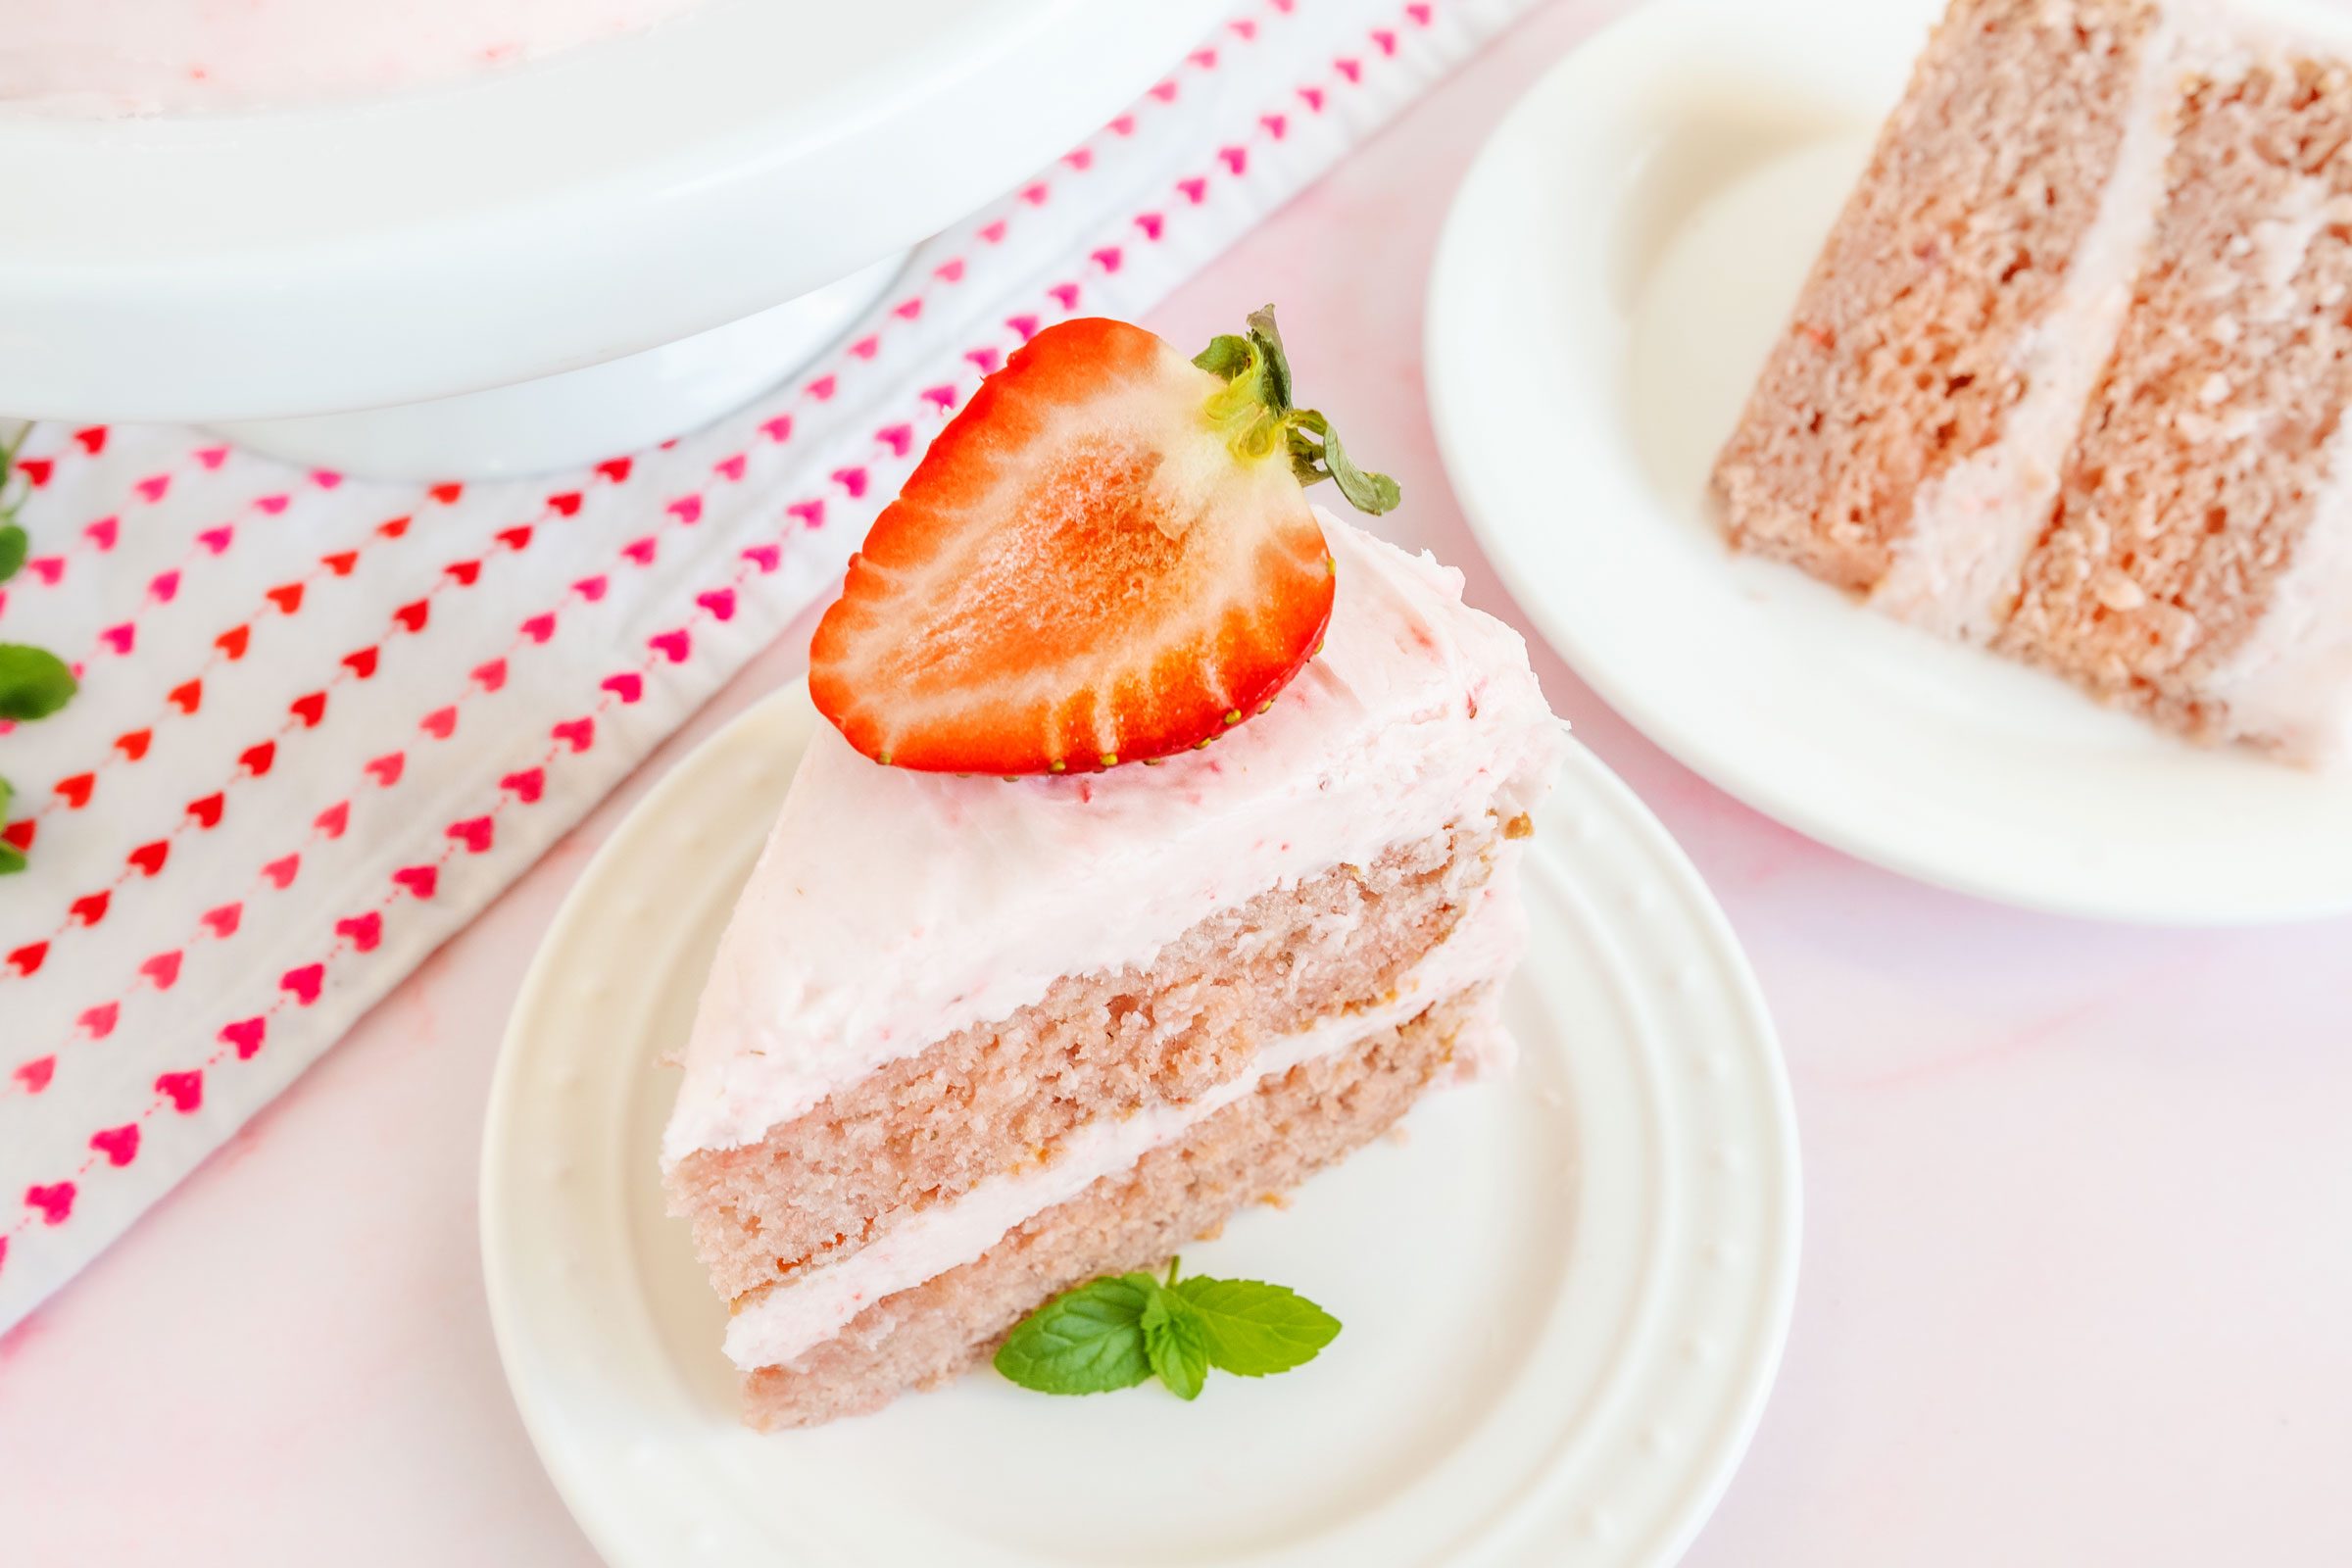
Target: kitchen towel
(324,720)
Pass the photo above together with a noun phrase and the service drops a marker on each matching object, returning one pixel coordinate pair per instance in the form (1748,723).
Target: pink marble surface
(2078,1261)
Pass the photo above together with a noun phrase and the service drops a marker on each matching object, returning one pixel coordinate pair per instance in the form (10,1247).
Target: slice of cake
(2069,377)
(970,1041)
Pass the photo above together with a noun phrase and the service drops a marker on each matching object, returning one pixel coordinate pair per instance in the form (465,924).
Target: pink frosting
(890,908)
(167,56)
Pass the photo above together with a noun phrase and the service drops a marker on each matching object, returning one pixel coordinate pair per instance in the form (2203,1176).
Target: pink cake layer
(2198,563)
(785,1321)
(1007,1095)
(1250,1150)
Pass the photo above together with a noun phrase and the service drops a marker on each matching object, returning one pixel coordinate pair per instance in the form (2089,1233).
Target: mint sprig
(33,682)
(1123,1328)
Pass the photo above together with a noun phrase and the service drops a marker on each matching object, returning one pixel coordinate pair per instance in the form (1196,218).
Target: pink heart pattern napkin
(324,720)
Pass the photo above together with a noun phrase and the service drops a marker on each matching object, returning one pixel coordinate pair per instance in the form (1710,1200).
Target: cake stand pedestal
(574,417)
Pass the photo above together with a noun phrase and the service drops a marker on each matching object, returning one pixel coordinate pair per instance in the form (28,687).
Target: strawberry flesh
(1107,557)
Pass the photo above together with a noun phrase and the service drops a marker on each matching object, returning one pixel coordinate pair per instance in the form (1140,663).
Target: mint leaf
(1124,1328)
(13,549)
(12,859)
(1176,1342)
(1252,1328)
(1085,1341)
(33,682)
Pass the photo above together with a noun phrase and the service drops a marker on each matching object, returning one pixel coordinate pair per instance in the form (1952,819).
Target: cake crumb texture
(992,1100)
(1255,1148)
(2206,450)
(1903,357)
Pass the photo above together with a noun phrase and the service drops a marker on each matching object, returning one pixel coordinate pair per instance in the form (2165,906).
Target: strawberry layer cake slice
(1001,1011)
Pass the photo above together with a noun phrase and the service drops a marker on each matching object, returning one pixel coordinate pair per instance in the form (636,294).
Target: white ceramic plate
(1564,1294)
(1620,258)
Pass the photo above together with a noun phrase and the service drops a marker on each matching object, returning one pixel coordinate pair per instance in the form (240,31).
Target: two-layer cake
(2070,376)
(971,1040)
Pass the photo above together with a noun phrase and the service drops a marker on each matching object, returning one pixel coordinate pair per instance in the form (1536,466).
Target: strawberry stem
(1253,414)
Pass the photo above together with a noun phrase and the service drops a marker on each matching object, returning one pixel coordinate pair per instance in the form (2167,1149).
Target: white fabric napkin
(324,720)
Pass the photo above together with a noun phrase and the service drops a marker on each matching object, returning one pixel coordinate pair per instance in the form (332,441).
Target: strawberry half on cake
(1160,854)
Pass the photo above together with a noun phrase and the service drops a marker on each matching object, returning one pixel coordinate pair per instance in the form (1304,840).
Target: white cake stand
(546,265)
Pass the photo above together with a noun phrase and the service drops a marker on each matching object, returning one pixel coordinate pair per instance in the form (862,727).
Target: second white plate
(1618,262)
(1564,1294)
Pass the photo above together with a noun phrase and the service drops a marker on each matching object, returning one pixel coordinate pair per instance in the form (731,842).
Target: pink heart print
(303,982)
(363,931)
(185,1090)
(119,1144)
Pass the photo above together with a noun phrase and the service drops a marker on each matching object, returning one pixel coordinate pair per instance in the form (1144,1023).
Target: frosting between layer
(890,908)
(2290,682)
(1956,569)
(790,1319)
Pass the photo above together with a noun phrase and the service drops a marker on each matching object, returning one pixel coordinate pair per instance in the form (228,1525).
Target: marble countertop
(2078,1258)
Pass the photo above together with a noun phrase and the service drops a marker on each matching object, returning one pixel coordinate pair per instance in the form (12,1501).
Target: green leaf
(12,859)
(1252,1329)
(1176,1342)
(1373,493)
(1227,357)
(1262,332)
(1085,1341)
(1367,492)
(13,548)
(33,682)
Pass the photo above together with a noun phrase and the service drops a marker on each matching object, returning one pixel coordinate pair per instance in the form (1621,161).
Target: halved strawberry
(1107,557)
